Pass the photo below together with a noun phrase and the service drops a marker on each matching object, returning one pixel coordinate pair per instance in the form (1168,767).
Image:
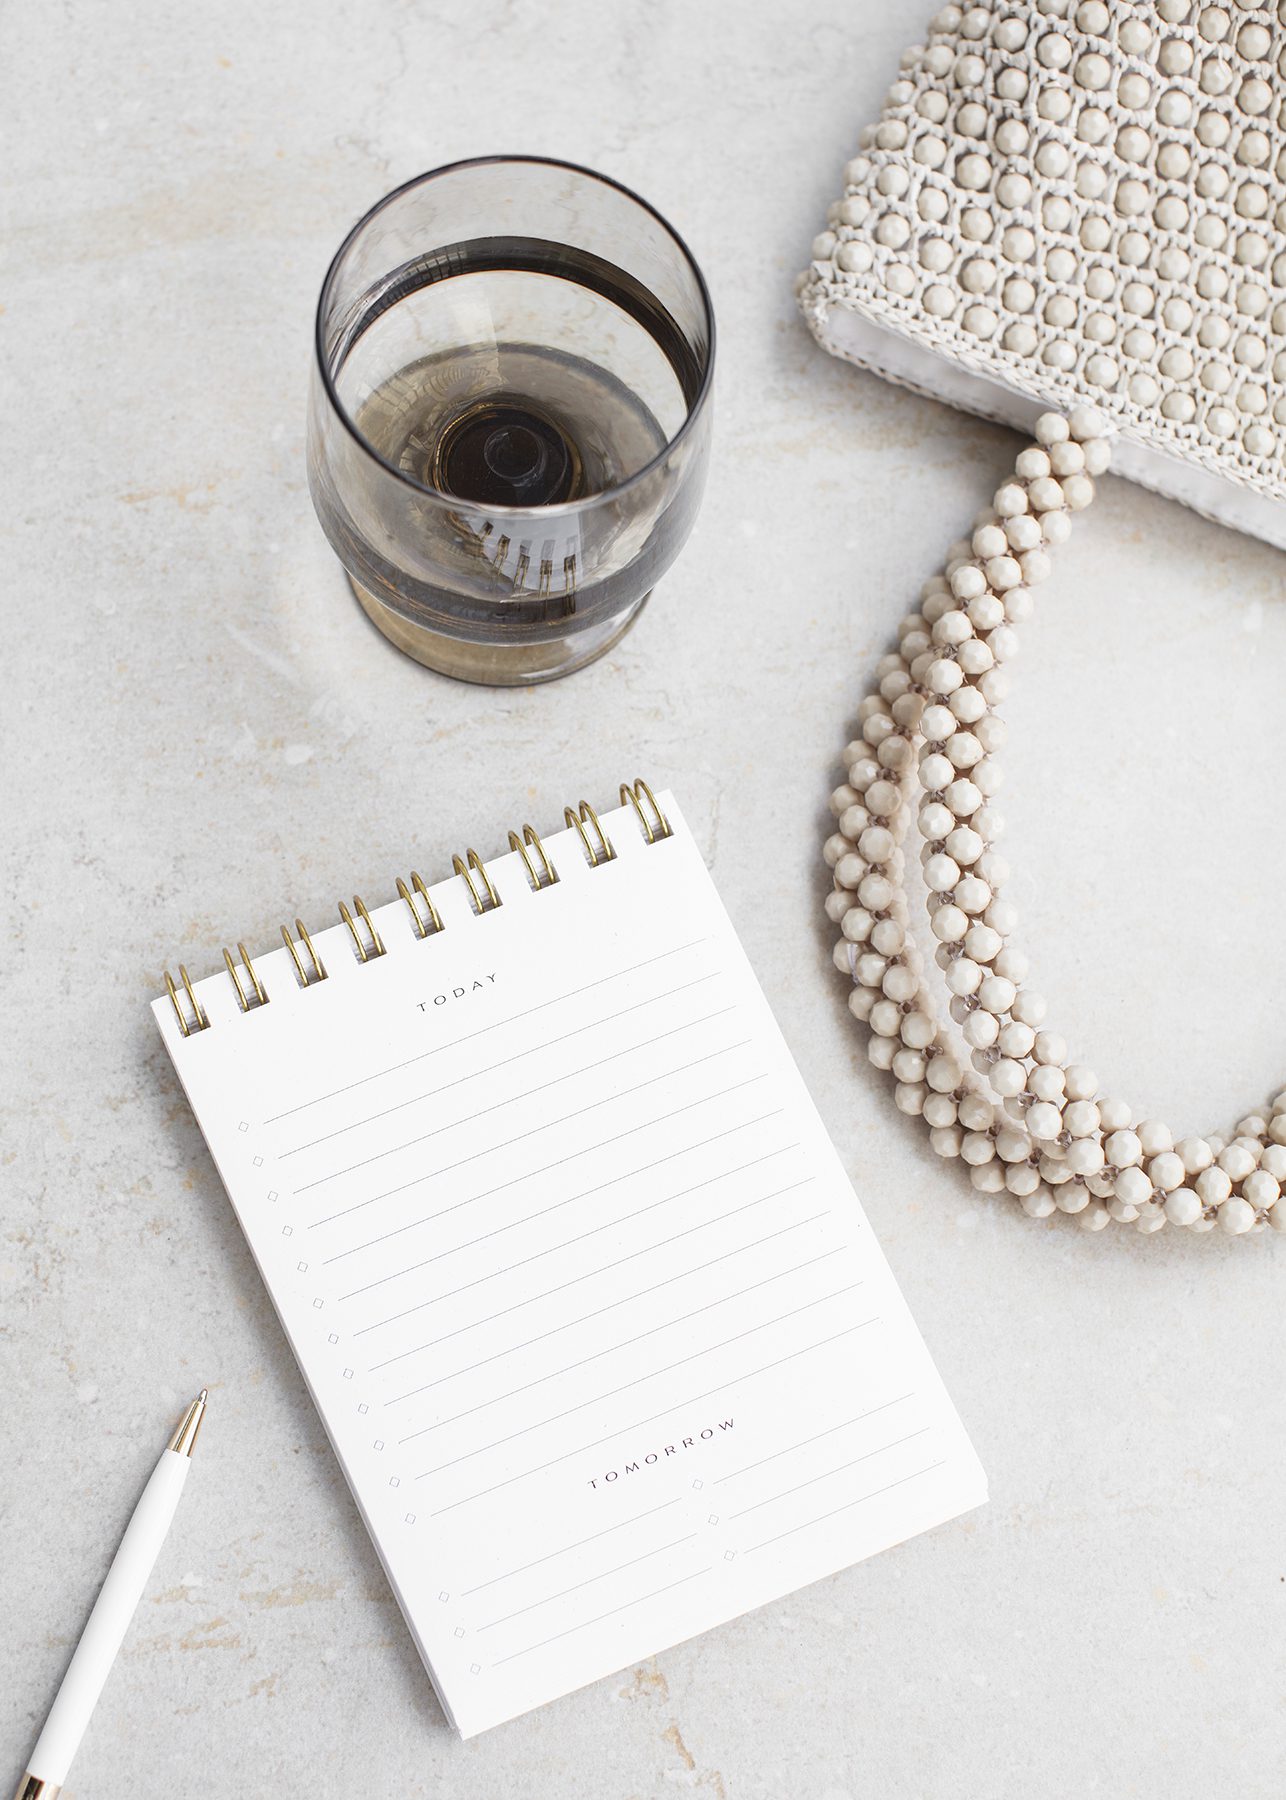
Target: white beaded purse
(1058,201)
(1064,202)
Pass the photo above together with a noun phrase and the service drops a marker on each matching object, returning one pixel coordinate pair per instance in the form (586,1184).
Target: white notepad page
(594,1321)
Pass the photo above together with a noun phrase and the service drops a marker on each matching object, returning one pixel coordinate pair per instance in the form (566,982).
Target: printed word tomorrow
(659,1454)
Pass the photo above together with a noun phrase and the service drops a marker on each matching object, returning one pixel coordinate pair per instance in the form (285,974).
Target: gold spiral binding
(405,893)
(319,967)
(541,874)
(636,795)
(547,869)
(202,1022)
(377,942)
(473,861)
(260,996)
(586,814)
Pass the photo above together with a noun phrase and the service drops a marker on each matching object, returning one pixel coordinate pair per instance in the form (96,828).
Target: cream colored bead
(1212,1186)
(1020,1178)
(1236,1162)
(1236,1216)
(1084,1156)
(1039,1204)
(1165,1171)
(1194,1152)
(1082,1082)
(1122,1211)
(1182,1206)
(1154,1137)
(1094,1218)
(1044,1120)
(879,1052)
(1132,1186)
(1046,1083)
(1123,1148)
(946,1140)
(1261,1189)
(1080,1119)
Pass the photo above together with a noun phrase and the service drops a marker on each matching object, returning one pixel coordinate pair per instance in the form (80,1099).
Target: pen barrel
(108,1622)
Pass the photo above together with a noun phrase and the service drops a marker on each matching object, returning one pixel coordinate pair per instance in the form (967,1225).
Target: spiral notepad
(595,1324)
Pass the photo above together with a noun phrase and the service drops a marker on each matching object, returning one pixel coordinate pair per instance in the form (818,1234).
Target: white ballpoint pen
(114,1608)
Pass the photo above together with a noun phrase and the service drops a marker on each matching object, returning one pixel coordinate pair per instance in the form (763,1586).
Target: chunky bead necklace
(1009,1104)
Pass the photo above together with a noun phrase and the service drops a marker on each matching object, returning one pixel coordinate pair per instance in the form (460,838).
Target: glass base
(496,665)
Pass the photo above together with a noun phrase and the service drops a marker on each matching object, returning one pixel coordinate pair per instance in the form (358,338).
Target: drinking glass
(509,416)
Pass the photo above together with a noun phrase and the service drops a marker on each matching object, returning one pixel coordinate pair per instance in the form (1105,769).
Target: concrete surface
(204,737)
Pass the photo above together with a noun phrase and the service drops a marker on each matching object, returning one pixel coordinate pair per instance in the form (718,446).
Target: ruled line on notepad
(526,1174)
(589,1581)
(637,1425)
(580,1544)
(608,1349)
(661,1244)
(803,1444)
(532,1050)
(599,1311)
(589,1275)
(537,1255)
(559,1162)
(826,1474)
(496,1025)
(651,1375)
(847,1507)
(607,1224)
(470,1199)
(586,1623)
(602,1187)
(540,1088)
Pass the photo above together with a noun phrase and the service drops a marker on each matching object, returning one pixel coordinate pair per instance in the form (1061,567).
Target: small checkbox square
(244,1125)
(287,1231)
(258,1161)
(459,1631)
(698,1483)
(273,1194)
(379,1444)
(363,1408)
(395,1481)
(317,1305)
(444,1595)
(728,1555)
(410,1519)
(713,1519)
(302,1267)
(333,1338)
(475,1668)
(348,1374)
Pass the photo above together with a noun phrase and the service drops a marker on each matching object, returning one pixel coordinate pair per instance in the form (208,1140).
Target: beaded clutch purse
(1064,202)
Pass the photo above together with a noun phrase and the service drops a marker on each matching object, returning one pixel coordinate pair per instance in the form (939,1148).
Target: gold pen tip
(189,1426)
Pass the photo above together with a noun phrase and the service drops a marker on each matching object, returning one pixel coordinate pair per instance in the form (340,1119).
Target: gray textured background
(204,736)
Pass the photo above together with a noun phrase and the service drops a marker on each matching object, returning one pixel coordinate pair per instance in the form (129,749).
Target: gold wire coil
(260,995)
(462,867)
(548,873)
(201,1020)
(582,816)
(319,968)
(636,795)
(435,917)
(377,942)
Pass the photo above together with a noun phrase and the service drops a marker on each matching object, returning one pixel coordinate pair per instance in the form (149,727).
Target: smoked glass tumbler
(509,417)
